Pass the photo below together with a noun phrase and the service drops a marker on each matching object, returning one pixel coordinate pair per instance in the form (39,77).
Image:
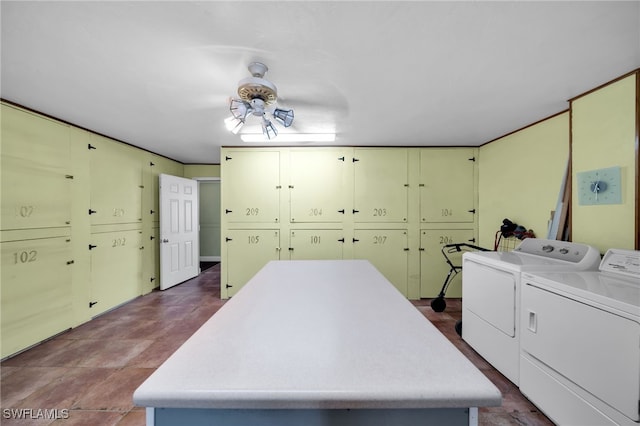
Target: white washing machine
(580,341)
(491,294)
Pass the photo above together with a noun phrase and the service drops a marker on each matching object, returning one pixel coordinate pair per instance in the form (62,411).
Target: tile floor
(89,373)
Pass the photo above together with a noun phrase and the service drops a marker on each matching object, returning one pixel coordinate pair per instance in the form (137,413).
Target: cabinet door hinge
(92,303)
(227,239)
(91,246)
(227,158)
(151,163)
(355,240)
(472,211)
(92,211)
(68,176)
(89,146)
(341,158)
(341,240)
(228,286)
(355,159)
(70,262)
(472,159)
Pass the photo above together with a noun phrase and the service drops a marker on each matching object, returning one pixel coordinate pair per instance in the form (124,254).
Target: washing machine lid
(537,254)
(604,289)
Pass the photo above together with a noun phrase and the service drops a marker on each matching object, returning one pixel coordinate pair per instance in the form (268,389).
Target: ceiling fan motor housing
(256,86)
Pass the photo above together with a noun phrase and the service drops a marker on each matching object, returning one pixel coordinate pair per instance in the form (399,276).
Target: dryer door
(490,293)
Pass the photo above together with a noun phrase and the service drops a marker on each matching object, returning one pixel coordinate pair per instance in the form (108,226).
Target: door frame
(208,179)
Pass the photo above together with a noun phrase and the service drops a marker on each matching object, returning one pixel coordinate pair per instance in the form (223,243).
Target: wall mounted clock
(601,186)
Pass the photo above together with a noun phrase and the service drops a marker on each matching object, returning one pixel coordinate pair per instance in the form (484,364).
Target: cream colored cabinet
(116,183)
(37,299)
(150,259)
(116,276)
(387,250)
(447,185)
(381,185)
(433,265)
(36,178)
(317,188)
(251,191)
(246,251)
(310,244)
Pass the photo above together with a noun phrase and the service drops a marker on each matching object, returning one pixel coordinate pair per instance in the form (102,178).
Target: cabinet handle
(70,262)
(165,240)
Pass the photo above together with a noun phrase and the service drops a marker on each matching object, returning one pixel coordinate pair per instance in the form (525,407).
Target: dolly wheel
(438,304)
(458,327)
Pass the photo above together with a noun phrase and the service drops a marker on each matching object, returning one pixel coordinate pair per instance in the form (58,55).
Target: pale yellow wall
(201,170)
(603,128)
(520,176)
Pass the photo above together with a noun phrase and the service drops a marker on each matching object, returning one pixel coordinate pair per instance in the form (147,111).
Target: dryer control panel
(575,253)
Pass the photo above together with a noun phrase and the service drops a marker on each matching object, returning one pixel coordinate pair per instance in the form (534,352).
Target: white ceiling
(158,74)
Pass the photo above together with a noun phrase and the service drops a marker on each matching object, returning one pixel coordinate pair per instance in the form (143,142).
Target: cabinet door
(247,251)
(433,265)
(36,291)
(381,185)
(251,191)
(387,250)
(116,183)
(447,185)
(310,244)
(36,184)
(317,185)
(116,270)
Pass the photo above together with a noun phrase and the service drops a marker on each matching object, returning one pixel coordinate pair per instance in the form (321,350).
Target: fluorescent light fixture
(290,137)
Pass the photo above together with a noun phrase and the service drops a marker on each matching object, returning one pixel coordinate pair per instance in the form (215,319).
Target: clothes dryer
(580,342)
(491,294)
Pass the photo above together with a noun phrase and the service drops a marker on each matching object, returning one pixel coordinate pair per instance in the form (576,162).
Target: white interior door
(179,243)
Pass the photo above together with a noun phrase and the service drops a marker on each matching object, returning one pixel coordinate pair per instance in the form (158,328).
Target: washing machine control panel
(574,253)
(624,262)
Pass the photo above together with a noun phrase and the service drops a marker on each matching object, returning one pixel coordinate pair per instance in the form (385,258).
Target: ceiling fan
(257,96)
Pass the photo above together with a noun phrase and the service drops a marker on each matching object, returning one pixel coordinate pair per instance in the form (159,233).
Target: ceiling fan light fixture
(283,116)
(239,109)
(268,129)
(233,124)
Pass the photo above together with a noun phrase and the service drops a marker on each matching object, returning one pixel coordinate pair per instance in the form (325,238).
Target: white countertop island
(316,343)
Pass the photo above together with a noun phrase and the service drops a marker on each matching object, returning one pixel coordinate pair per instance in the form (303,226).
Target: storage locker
(116,183)
(36,177)
(381,185)
(310,244)
(251,191)
(433,265)
(387,250)
(37,300)
(116,268)
(447,185)
(246,252)
(317,185)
